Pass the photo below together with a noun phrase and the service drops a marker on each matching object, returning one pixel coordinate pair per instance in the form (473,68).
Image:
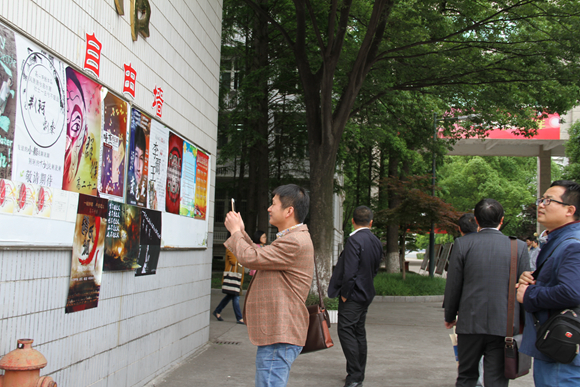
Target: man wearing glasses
(558,284)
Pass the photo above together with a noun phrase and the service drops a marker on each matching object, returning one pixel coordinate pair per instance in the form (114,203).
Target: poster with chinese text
(87,254)
(157,165)
(150,247)
(8,103)
(122,237)
(138,161)
(188,180)
(201,185)
(40,131)
(174,162)
(114,140)
(83,134)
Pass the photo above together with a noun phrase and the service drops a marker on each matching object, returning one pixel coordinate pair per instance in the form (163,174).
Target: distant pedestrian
(476,296)
(231,265)
(260,238)
(275,309)
(533,252)
(352,281)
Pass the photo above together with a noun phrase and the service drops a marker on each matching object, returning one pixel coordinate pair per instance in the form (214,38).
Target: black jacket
(356,268)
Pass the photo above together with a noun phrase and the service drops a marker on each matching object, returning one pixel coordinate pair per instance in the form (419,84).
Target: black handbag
(318,336)
(559,336)
(516,364)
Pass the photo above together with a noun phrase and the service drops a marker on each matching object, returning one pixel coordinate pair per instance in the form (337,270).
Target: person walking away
(231,264)
(275,308)
(558,284)
(476,296)
(352,281)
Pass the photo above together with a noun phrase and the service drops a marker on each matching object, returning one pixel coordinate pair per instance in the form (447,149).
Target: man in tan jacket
(275,310)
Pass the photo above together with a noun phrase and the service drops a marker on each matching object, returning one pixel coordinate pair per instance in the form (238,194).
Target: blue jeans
(552,374)
(235,303)
(273,364)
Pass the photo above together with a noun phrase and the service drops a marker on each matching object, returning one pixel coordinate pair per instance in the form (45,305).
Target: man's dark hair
(531,238)
(140,138)
(467,223)
(292,195)
(257,235)
(488,213)
(571,195)
(362,216)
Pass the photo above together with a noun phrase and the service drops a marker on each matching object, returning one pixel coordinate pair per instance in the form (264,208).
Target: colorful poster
(8,196)
(201,185)
(26,198)
(43,204)
(174,161)
(122,237)
(150,247)
(40,135)
(114,140)
(87,254)
(188,180)
(138,159)
(157,165)
(8,103)
(83,134)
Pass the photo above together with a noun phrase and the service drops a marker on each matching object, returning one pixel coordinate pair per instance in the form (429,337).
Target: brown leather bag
(516,363)
(318,336)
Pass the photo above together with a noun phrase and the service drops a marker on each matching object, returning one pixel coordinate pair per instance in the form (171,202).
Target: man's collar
(284,232)
(358,229)
(562,226)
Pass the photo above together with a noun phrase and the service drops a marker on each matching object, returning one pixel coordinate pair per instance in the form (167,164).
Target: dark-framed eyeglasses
(547,201)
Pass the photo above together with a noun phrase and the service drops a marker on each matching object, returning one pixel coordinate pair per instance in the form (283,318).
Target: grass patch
(392,284)
(329,303)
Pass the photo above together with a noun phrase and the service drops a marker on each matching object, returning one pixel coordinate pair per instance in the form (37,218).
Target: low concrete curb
(408,299)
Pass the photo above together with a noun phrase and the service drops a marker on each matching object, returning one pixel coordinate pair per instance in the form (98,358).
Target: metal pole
(432,234)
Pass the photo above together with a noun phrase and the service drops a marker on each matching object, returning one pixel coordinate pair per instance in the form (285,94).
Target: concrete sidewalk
(408,346)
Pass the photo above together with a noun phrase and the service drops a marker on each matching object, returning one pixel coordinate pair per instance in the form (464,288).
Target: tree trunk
(402,253)
(393,265)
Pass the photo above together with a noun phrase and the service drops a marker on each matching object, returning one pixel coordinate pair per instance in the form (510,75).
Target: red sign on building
(93,54)
(130,80)
(158,102)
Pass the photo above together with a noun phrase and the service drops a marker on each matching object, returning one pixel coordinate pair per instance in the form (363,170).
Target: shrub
(392,284)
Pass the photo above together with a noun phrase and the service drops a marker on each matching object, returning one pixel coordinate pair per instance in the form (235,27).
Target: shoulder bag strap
(512,287)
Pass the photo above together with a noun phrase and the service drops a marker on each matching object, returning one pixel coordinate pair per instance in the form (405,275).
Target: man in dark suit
(352,280)
(476,294)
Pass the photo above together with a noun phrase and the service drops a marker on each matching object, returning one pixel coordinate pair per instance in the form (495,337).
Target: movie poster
(122,237)
(114,140)
(138,159)
(188,180)
(87,254)
(201,185)
(174,161)
(150,247)
(40,131)
(83,134)
(8,103)
(8,196)
(157,165)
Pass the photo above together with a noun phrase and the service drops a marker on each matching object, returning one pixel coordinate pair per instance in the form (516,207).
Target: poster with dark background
(122,237)
(150,242)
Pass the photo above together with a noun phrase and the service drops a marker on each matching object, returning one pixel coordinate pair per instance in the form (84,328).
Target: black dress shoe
(216,316)
(353,384)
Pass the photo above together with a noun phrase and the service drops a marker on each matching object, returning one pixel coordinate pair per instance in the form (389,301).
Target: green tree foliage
(464,181)
(572,170)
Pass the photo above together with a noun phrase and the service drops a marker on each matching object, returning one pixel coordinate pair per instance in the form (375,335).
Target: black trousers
(353,338)
(470,348)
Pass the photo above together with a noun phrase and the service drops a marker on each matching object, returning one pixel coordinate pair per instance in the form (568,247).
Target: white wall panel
(142,326)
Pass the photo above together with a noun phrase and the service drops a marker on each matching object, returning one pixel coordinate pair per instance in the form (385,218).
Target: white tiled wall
(142,326)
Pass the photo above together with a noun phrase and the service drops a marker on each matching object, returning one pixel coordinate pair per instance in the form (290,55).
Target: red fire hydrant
(22,367)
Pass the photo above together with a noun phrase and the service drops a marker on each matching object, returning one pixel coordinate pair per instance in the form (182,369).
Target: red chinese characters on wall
(93,54)
(158,102)
(130,80)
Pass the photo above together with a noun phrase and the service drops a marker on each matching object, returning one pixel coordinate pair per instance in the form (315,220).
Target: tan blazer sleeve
(280,255)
